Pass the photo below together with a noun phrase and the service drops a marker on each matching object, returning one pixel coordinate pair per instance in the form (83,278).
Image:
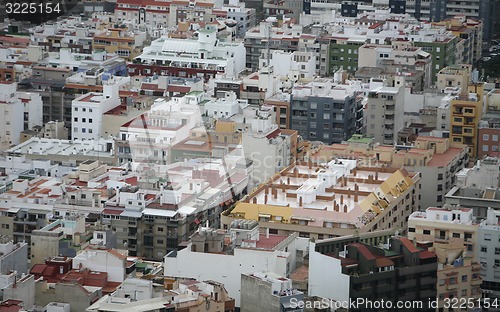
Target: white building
(485,174)
(166,124)
(33,108)
(224,107)
(88,109)
(292,65)
(265,145)
(106,260)
(206,52)
(11,116)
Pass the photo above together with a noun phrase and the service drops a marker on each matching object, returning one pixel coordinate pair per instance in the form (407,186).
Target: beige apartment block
(335,199)
(451,233)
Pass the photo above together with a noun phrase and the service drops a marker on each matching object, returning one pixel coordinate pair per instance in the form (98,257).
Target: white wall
(226,269)
(101,261)
(325,277)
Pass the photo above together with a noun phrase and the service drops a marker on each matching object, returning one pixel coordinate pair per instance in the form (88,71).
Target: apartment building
(167,123)
(488,254)
(88,110)
(441,9)
(202,57)
(454,76)
(152,13)
(364,270)
(325,111)
(434,158)
(400,54)
(11,115)
(266,145)
(338,198)
(153,219)
(120,41)
(271,34)
(488,143)
(384,113)
(241,248)
(466,113)
(471,31)
(245,17)
(452,233)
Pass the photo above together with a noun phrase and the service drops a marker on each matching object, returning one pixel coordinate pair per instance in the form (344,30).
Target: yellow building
(119,41)
(454,76)
(465,113)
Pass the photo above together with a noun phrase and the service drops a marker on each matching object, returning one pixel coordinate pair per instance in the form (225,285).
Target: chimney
(288,181)
(266,189)
(265,199)
(356,196)
(376,175)
(310,164)
(337,208)
(267,233)
(354,172)
(254,200)
(334,203)
(275,193)
(342,199)
(345,208)
(300,201)
(349,193)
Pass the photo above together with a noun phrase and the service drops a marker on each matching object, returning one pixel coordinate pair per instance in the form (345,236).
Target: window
(84,109)
(326,116)
(497,251)
(90,130)
(426,232)
(75,129)
(487,237)
(160,229)
(456,235)
(312,124)
(76,109)
(464,278)
(90,120)
(497,262)
(84,130)
(486,137)
(159,241)
(439,198)
(411,229)
(484,249)
(440,176)
(485,148)
(326,136)
(314,105)
(75,119)
(494,138)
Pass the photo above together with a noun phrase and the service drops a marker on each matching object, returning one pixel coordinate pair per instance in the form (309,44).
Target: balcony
(442,239)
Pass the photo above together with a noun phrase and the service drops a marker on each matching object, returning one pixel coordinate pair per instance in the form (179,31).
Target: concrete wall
(16,260)
(257,295)
(325,277)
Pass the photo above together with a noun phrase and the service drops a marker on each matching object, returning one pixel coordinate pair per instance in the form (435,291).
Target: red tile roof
(364,251)
(408,244)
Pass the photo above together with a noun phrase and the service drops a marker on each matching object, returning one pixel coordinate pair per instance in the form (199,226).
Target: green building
(343,53)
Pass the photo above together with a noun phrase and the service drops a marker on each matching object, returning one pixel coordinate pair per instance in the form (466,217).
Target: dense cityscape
(249,155)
